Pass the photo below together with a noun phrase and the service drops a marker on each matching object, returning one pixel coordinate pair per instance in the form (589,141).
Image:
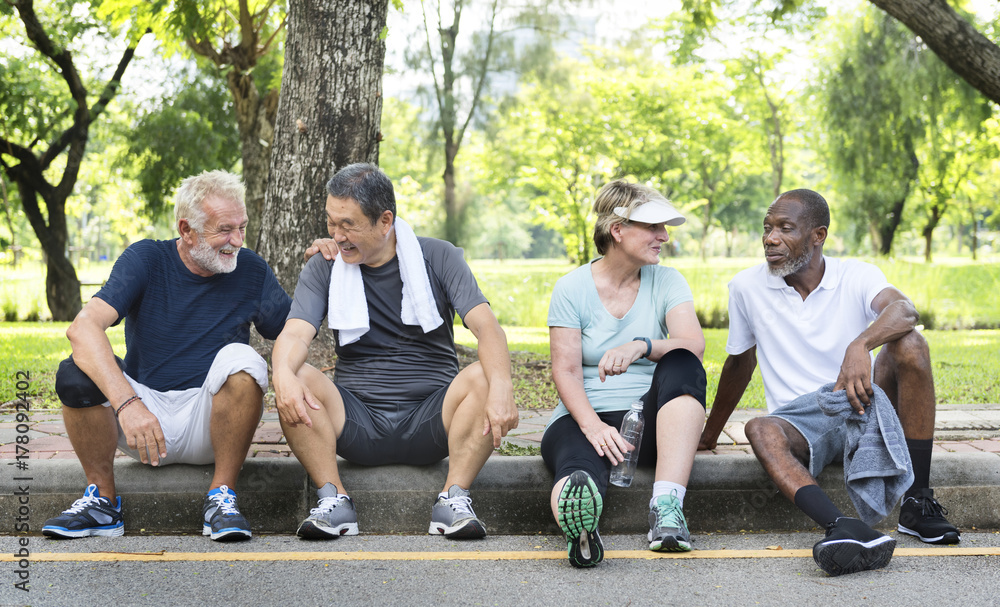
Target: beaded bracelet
(127,402)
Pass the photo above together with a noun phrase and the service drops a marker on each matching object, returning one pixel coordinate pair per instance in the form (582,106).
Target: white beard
(210,260)
(792,265)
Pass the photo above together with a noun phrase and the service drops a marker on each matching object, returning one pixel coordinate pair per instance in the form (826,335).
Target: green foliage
(37,348)
(182,135)
(871,138)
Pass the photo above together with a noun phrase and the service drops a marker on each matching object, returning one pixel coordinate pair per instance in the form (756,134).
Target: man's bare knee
(475,382)
(242,383)
(911,352)
(760,427)
(774,435)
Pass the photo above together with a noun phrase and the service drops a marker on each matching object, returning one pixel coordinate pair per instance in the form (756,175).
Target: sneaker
(922,516)
(223,520)
(333,517)
(92,514)
(580,507)
(668,530)
(453,517)
(851,546)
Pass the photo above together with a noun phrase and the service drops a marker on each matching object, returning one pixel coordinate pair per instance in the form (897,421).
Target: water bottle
(621,474)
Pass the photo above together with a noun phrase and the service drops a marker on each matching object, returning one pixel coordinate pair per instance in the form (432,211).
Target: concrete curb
(728,493)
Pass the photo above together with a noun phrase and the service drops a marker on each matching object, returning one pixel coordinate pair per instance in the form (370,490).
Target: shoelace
(84,502)
(929,507)
(225,501)
(460,504)
(327,504)
(670,516)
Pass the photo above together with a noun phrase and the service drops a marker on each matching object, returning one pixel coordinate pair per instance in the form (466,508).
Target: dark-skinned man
(811,320)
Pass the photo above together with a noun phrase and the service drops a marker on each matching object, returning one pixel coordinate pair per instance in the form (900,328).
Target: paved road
(773,569)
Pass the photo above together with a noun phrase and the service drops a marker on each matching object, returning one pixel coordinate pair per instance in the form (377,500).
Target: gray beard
(208,258)
(792,265)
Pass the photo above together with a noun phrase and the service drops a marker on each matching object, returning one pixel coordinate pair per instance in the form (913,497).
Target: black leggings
(566,449)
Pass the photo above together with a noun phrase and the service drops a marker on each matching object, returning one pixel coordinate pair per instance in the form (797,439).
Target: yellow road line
(525,555)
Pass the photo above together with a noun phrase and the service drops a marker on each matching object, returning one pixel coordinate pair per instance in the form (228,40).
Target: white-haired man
(190,389)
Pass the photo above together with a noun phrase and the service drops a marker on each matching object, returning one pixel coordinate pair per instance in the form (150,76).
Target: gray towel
(877,466)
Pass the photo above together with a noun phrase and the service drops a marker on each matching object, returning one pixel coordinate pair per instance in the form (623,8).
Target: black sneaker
(851,546)
(922,516)
(223,521)
(92,514)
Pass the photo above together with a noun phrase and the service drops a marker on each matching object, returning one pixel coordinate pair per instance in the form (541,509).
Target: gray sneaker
(335,516)
(668,531)
(453,517)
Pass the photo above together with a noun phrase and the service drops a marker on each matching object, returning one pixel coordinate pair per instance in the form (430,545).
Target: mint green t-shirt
(575,304)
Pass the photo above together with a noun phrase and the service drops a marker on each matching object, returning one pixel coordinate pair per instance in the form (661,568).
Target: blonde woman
(622,328)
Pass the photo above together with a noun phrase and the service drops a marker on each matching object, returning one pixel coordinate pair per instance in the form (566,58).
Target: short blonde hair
(618,193)
(191,195)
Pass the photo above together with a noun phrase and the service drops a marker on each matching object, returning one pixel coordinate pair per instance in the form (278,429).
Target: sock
(920,456)
(817,505)
(665,488)
(443,495)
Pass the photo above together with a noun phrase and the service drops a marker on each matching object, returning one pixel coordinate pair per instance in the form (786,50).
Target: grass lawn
(964,363)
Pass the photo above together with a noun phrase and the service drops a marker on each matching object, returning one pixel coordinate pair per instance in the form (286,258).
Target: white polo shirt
(801,343)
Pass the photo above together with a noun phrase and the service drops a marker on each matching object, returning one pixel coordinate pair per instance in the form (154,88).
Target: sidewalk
(728,488)
(958,429)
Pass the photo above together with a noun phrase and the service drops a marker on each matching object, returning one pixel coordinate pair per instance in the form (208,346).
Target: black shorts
(393,433)
(566,449)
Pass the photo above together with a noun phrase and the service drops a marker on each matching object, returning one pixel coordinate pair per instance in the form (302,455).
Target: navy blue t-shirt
(176,321)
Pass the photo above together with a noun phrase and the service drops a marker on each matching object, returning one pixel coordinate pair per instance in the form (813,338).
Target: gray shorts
(824,433)
(393,433)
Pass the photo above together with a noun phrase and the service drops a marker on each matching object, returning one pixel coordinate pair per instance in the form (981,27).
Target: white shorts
(184,415)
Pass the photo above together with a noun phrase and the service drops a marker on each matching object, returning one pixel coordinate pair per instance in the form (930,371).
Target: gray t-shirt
(395,363)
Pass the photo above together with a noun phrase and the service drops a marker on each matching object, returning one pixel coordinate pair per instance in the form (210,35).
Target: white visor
(654,211)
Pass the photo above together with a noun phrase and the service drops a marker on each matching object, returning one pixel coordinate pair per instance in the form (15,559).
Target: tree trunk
(932,222)
(328,117)
(452,212)
(255,117)
(888,225)
(959,45)
(62,287)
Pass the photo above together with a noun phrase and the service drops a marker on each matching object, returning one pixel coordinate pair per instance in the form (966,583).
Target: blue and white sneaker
(223,520)
(92,514)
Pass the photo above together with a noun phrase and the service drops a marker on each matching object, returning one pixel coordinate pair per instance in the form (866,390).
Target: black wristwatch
(649,345)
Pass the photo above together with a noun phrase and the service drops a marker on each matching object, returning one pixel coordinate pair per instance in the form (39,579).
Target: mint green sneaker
(580,506)
(668,531)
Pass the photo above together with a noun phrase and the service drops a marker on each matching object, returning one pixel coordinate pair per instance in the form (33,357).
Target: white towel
(347,289)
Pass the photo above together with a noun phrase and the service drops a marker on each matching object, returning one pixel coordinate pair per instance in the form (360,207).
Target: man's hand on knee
(143,433)
(855,376)
(294,400)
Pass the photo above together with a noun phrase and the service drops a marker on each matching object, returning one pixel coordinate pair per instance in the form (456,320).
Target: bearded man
(812,320)
(190,389)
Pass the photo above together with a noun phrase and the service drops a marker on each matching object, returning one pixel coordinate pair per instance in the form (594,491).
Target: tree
(449,93)
(48,112)
(328,117)
(953,116)
(187,132)
(559,147)
(240,38)
(956,41)
(871,136)
(951,36)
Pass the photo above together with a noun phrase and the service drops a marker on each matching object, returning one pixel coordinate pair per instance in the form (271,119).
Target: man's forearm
(896,320)
(494,355)
(736,374)
(93,354)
